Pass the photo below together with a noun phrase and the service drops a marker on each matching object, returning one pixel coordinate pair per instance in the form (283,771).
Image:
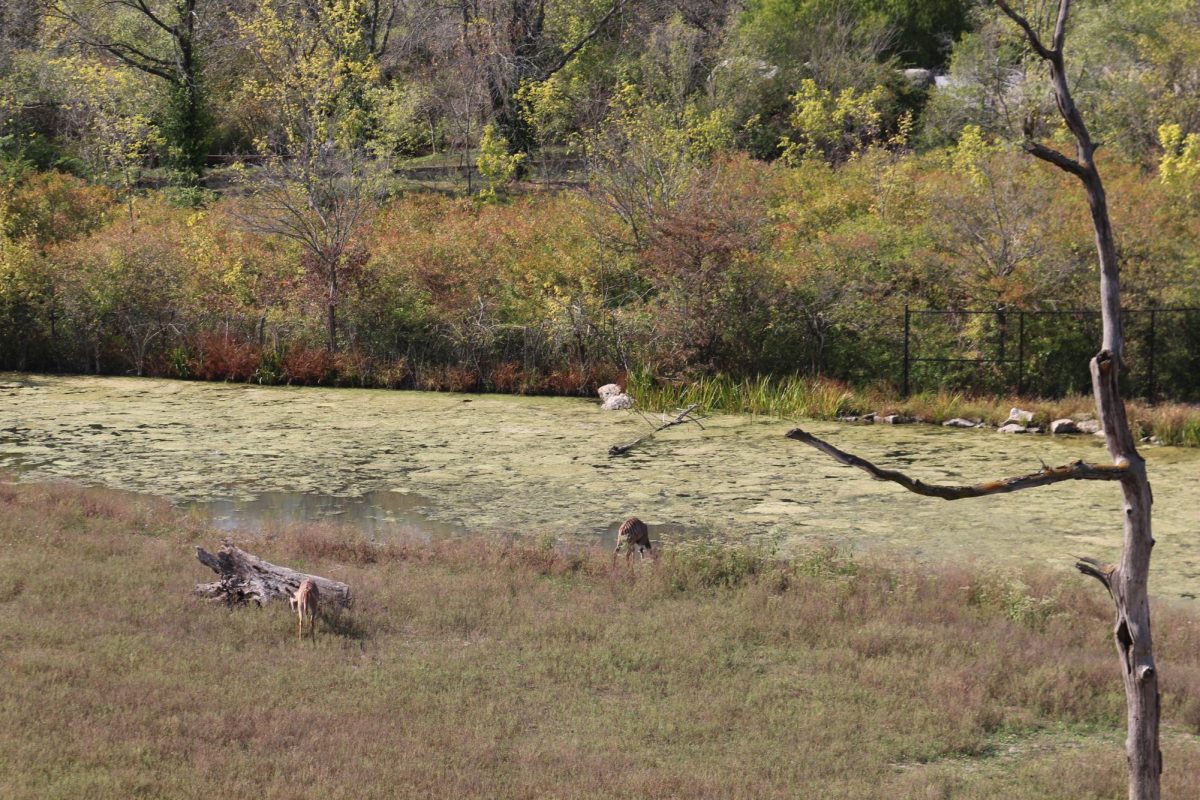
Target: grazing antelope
(633,533)
(304,603)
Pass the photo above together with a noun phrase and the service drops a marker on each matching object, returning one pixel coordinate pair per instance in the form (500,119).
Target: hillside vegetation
(673,190)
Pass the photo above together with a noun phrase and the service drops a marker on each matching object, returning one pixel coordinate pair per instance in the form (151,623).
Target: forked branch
(1098,570)
(1075,471)
(1031,34)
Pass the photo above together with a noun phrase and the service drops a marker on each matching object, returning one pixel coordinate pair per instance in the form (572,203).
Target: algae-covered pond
(539,466)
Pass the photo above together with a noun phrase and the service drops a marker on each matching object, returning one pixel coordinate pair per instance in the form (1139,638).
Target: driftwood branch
(1075,471)
(683,417)
(246,577)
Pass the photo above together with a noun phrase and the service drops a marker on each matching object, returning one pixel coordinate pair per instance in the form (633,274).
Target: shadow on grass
(344,623)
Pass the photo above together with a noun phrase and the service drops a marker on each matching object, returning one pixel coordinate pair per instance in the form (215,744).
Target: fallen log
(246,577)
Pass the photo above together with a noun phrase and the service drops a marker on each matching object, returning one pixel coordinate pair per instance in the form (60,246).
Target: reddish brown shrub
(461,379)
(508,377)
(220,357)
(309,366)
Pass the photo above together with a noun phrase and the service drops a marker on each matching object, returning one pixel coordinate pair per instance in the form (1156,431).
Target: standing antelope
(633,533)
(304,603)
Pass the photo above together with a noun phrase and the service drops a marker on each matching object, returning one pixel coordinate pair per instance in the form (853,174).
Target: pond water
(448,464)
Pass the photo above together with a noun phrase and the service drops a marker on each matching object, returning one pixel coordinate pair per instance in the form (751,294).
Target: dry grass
(522,670)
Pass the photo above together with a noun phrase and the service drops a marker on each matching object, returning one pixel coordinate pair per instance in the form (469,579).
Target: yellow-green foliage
(112,105)
(497,166)
(316,71)
(834,125)
(972,150)
(1179,166)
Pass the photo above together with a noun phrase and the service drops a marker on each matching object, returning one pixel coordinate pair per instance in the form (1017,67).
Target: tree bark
(331,309)
(246,577)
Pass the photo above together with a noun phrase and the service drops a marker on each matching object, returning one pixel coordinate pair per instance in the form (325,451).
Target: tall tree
(159,38)
(1126,581)
(318,183)
(518,45)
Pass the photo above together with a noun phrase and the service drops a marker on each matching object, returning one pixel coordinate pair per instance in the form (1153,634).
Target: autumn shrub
(446,378)
(220,357)
(714,295)
(48,207)
(308,366)
(507,377)
(124,290)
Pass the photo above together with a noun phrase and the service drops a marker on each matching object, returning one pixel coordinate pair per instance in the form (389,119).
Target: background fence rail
(973,349)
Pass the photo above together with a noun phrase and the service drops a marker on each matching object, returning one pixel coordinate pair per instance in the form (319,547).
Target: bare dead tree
(320,197)
(1126,581)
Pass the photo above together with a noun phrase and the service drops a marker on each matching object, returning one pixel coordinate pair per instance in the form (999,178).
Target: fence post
(1153,387)
(1020,353)
(907,315)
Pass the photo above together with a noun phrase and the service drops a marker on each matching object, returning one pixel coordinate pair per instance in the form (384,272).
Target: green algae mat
(539,466)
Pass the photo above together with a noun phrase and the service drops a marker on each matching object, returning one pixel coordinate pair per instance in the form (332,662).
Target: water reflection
(378,514)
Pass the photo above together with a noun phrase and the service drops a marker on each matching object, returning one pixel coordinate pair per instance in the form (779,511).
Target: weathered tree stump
(246,577)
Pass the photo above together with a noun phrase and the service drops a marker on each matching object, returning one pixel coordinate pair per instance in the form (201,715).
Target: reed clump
(799,396)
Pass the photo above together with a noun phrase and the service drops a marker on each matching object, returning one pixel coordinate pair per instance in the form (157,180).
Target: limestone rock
(1064,426)
(896,419)
(959,422)
(1013,427)
(1089,426)
(1019,417)
(608,390)
(919,78)
(617,402)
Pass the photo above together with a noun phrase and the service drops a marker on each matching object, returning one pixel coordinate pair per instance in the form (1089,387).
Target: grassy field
(517,670)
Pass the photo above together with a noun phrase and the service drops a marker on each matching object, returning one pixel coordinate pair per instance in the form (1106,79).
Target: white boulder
(617,402)
(609,390)
(1064,426)
(1020,417)
(1012,427)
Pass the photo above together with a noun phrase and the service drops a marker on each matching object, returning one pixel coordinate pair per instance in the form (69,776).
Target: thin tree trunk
(331,321)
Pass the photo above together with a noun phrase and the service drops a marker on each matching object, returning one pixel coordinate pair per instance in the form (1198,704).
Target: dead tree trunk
(246,577)
(1126,581)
